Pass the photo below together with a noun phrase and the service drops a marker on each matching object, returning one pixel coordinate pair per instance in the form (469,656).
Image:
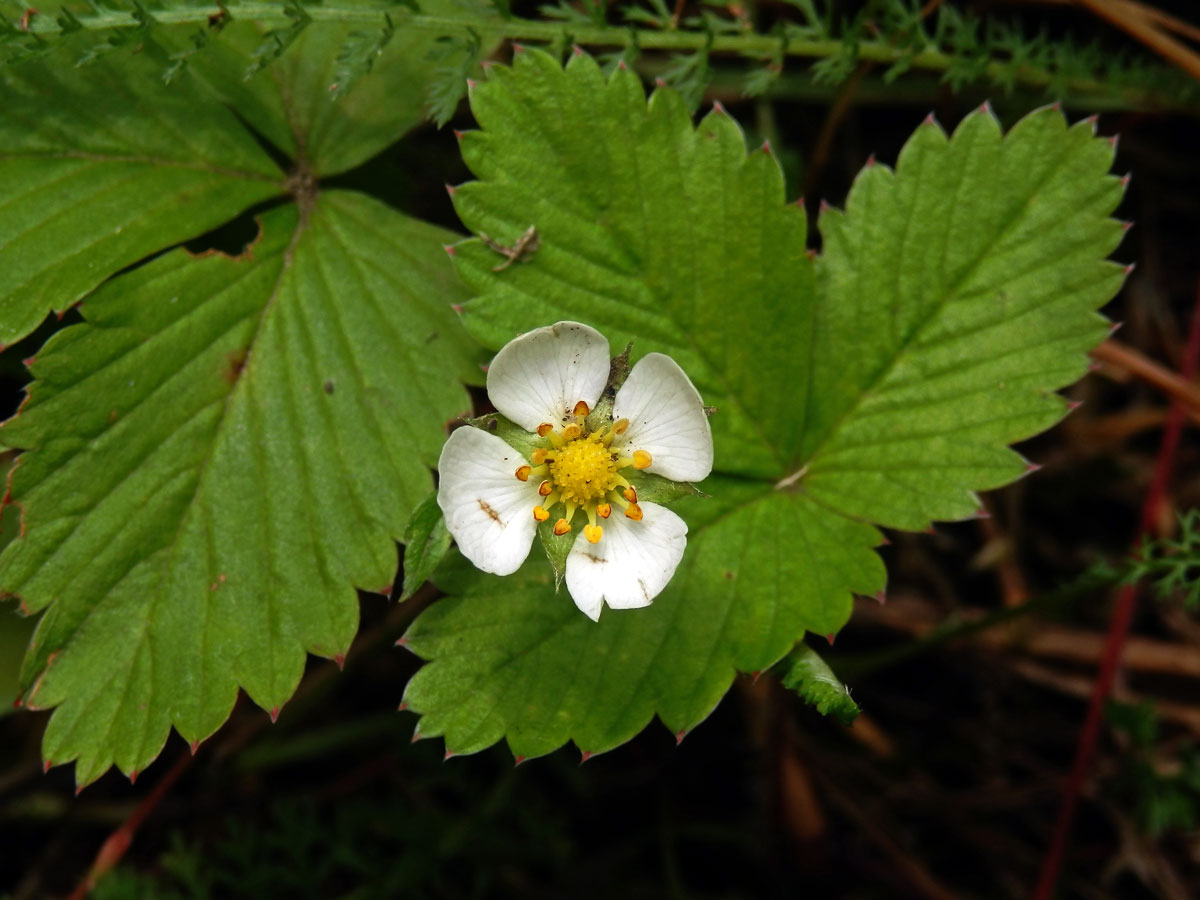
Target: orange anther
(561,527)
(538,456)
(571,432)
(523,472)
(593,533)
(581,409)
(604,510)
(620,426)
(545,488)
(630,494)
(641,459)
(541,513)
(544,429)
(634,512)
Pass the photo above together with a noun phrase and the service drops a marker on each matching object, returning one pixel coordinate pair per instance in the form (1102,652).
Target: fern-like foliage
(1172,565)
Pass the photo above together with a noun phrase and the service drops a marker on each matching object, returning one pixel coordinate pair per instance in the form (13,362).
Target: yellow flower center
(584,473)
(583,470)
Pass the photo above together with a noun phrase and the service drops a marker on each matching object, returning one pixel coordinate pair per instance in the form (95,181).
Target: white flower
(548,382)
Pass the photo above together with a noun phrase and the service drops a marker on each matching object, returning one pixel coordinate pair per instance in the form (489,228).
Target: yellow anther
(634,512)
(604,510)
(571,432)
(581,409)
(593,533)
(620,426)
(545,488)
(541,513)
(523,472)
(630,493)
(544,429)
(538,456)
(561,527)
(641,459)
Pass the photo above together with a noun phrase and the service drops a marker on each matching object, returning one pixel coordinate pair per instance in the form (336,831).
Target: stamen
(540,513)
(523,472)
(593,533)
(641,459)
(545,488)
(630,493)
(557,440)
(620,426)
(616,498)
(538,456)
(544,429)
(571,432)
(582,410)
(634,512)
(561,527)
(604,510)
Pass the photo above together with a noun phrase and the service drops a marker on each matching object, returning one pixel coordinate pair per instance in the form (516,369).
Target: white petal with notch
(631,563)
(666,419)
(540,376)
(489,511)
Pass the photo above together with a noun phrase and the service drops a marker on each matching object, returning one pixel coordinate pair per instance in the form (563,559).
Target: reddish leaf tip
(982,513)
(274,714)
(416,735)
(621,65)
(1093,366)
(871,161)
(449,248)
(340,659)
(800,201)
(585,756)
(133,776)
(1032,466)
(1125,226)
(660,83)
(1117,326)
(1129,268)
(1113,140)
(755,675)
(28,361)
(929,119)
(1056,106)
(683,732)
(449,753)
(718,108)
(985,107)
(830,638)
(577,50)
(450,189)
(766,147)
(1125,180)
(195,745)
(403,706)
(824,205)
(458,135)
(457,307)
(18,703)
(881,598)
(46,766)
(1073,405)
(518,48)
(471,84)
(402,641)
(518,760)
(930,530)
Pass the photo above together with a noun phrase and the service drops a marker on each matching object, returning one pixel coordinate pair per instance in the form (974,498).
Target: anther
(540,513)
(634,512)
(571,432)
(604,510)
(538,456)
(620,426)
(545,488)
(581,409)
(523,472)
(630,494)
(561,527)
(593,533)
(641,459)
(544,429)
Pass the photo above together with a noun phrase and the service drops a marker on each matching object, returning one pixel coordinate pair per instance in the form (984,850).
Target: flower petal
(489,512)
(631,563)
(666,419)
(540,376)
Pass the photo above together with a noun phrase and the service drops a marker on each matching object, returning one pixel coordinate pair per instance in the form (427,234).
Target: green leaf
(216,458)
(810,677)
(512,659)
(426,542)
(878,383)
(301,103)
(102,166)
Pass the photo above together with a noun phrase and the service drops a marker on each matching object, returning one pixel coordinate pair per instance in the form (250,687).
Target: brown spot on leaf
(235,361)
(328,386)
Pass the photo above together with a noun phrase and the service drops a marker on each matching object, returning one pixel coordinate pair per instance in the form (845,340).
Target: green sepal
(524,442)
(426,541)
(656,489)
(557,547)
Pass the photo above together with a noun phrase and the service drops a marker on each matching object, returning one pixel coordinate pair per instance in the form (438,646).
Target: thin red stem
(1118,629)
